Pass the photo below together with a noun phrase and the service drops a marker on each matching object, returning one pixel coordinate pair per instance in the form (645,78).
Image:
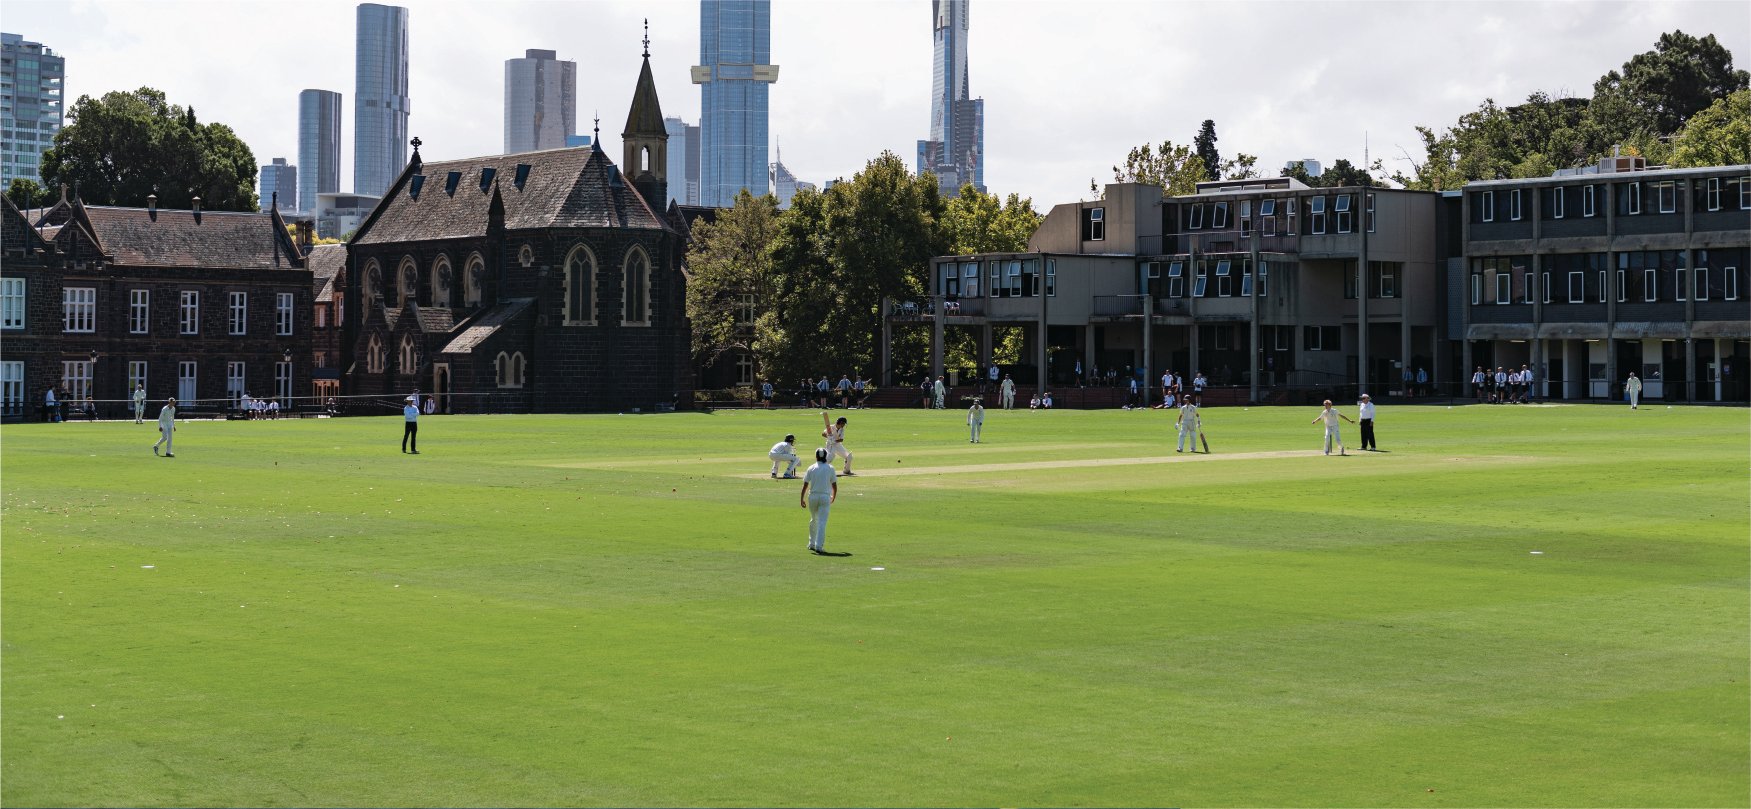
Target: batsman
(835,437)
(1190,427)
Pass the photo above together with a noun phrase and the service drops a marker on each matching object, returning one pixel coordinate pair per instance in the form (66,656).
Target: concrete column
(885,371)
(936,339)
(1466,367)
(1719,394)
(1087,350)
(1692,389)
(1040,354)
(987,346)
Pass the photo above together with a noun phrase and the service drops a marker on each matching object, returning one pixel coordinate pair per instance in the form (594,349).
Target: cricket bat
(1204,441)
(826,425)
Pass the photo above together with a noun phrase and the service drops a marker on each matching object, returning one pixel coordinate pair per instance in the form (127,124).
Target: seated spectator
(1034,403)
(1047,402)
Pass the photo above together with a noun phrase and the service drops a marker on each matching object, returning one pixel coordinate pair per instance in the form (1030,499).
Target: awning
(1724,329)
(1573,331)
(1658,330)
(1499,331)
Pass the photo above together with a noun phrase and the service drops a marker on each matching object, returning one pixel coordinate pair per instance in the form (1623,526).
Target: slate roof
(434,321)
(20,236)
(486,324)
(325,262)
(564,188)
(134,237)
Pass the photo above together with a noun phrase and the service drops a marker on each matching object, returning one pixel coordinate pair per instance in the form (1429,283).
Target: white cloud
(1069,86)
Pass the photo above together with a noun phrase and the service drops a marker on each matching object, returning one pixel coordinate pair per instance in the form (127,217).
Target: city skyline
(1071,92)
(381,104)
(319,145)
(735,76)
(954,151)
(541,101)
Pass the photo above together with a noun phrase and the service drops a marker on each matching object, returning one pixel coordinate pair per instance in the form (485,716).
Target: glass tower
(735,49)
(318,147)
(955,150)
(380,103)
(30,106)
(278,178)
(541,101)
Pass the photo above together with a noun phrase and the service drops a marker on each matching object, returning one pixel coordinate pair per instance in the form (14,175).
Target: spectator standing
(1198,383)
(991,375)
(1079,373)
(1501,385)
(1526,394)
(1422,388)
(821,389)
(858,390)
(766,393)
(1365,421)
(50,408)
(1479,387)
(411,432)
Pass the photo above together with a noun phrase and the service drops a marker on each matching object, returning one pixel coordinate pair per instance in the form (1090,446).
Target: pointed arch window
(636,289)
(441,282)
(472,279)
(409,357)
(373,281)
(508,369)
(580,287)
(374,355)
(407,283)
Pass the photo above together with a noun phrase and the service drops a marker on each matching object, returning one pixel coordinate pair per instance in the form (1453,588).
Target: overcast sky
(1069,86)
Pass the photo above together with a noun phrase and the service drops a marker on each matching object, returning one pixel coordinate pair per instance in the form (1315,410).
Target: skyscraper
(32,113)
(955,150)
(541,101)
(735,46)
(282,179)
(683,161)
(380,103)
(318,147)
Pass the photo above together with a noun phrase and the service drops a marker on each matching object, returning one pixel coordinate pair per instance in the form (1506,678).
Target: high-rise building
(955,150)
(683,161)
(32,108)
(318,148)
(541,101)
(380,102)
(784,184)
(282,179)
(735,47)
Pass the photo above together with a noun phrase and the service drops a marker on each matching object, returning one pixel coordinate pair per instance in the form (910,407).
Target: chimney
(151,206)
(197,208)
(276,203)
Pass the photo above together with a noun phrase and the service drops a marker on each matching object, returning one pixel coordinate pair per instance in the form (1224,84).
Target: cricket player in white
(1008,389)
(938,392)
(785,451)
(1188,424)
(140,403)
(1331,415)
(1633,387)
(975,420)
(835,435)
(166,428)
(820,489)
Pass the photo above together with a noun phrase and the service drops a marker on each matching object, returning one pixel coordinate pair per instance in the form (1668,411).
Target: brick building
(542,282)
(327,263)
(203,306)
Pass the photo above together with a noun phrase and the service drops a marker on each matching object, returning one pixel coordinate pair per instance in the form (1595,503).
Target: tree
(731,266)
(1660,89)
(1205,144)
(1717,136)
(122,147)
(26,194)
(1177,169)
(974,222)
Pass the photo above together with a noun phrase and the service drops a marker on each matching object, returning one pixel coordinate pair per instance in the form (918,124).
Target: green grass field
(590,610)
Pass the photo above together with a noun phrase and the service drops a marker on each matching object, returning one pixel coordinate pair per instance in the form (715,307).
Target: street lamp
(91,384)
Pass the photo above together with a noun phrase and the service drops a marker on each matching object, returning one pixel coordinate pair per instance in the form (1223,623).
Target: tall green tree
(731,265)
(124,146)
(1205,144)
(1658,90)
(25,193)
(1717,136)
(1341,174)
(1177,169)
(976,222)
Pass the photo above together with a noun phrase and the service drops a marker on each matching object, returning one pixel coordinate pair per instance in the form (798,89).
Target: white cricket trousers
(789,457)
(1332,437)
(140,413)
(164,434)
(836,449)
(1008,401)
(1188,432)
(974,428)
(1635,399)
(818,508)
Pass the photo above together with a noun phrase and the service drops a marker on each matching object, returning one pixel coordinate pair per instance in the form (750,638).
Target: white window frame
(239,308)
(1012,279)
(1486,203)
(1097,224)
(187,382)
(1700,278)
(1666,196)
(1369,211)
(137,370)
(1477,289)
(12,293)
(1650,284)
(1514,209)
(1316,216)
(1730,283)
(1264,278)
(745,369)
(1577,286)
(1196,222)
(284,306)
(1346,217)
(1713,194)
(79,310)
(1051,278)
(1224,274)
(1219,216)
(76,379)
(1745,194)
(1176,279)
(1622,285)
(283,382)
(1504,287)
(236,381)
(1558,201)
(12,385)
(1268,207)
(190,309)
(1604,289)
(970,279)
(1387,286)
(1528,284)
(1268,225)
(1246,280)
(1635,198)
(1589,201)
(1680,279)
(1545,280)
(1200,280)
(139,311)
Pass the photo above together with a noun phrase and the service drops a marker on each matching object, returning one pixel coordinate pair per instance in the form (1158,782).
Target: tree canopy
(1717,136)
(25,193)
(124,146)
(975,222)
